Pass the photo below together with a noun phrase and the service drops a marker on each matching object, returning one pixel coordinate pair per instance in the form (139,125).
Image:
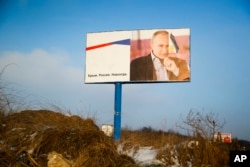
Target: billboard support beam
(117,114)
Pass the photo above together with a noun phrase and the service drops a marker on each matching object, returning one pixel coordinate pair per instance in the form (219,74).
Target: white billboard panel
(132,56)
(223,137)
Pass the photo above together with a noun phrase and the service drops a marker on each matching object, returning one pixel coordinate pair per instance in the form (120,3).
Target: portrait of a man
(160,64)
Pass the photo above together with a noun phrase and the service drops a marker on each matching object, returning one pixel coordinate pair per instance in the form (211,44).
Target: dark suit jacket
(142,69)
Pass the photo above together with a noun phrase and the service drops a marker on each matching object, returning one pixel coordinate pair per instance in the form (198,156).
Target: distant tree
(201,124)
(147,129)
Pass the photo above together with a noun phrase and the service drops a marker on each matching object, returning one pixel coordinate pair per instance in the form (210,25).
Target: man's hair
(160,32)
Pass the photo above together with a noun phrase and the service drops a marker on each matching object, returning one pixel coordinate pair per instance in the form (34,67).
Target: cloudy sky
(44,41)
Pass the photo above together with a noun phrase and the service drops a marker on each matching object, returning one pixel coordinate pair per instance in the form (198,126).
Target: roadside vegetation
(183,150)
(56,138)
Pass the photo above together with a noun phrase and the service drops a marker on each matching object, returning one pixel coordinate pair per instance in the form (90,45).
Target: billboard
(223,137)
(138,56)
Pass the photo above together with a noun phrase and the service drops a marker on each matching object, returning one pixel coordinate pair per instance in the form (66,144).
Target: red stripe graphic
(98,46)
(120,42)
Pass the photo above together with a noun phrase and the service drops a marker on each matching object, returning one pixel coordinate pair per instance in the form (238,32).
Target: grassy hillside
(42,137)
(50,138)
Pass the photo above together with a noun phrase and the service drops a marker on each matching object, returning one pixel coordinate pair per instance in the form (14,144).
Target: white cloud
(40,68)
(43,75)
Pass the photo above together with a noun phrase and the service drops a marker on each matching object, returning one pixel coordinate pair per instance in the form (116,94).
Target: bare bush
(10,101)
(201,124)
(202,127)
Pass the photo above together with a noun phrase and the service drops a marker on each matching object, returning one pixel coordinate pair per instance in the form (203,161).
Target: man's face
(160,45)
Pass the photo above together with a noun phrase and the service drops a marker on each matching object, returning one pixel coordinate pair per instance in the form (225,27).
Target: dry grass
(172,146)
(150,137)
(27,138)
(48,138)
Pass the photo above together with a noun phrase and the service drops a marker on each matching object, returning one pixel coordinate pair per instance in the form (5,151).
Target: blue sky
(45,40)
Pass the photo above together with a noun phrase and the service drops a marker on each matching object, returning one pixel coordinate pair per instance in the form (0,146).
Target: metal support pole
(117,114)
